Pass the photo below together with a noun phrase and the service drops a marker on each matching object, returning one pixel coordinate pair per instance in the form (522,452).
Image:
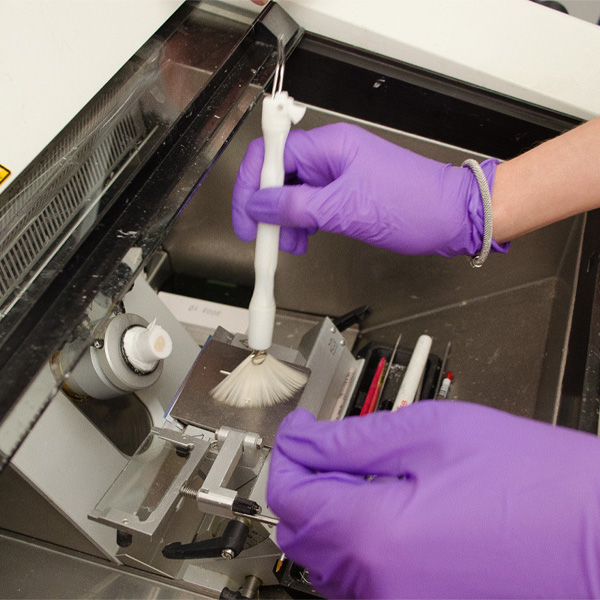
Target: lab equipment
(133,197)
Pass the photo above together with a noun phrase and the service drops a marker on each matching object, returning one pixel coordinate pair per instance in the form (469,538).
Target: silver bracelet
(486,199)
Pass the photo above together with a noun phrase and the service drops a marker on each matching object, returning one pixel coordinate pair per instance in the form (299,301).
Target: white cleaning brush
(261,380)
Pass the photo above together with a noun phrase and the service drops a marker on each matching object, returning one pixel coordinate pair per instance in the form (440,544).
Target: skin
(556,180)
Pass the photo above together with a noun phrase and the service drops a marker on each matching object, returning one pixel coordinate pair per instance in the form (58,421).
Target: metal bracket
(158,469)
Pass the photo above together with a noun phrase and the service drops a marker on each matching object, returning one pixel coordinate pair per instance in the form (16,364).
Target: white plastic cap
(146,346)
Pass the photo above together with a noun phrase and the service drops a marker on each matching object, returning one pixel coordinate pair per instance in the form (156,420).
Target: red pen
(374,390)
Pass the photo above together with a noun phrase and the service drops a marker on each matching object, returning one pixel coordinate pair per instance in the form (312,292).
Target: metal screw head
(342,342)
(98,344)
(227,553)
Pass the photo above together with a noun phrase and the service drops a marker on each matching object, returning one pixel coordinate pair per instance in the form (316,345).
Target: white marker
(414,373)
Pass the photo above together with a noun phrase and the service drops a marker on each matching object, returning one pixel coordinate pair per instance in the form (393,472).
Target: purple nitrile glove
(355,183)
(468,502)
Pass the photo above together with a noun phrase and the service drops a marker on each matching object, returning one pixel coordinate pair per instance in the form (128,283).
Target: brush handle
(414,373)
(278,114)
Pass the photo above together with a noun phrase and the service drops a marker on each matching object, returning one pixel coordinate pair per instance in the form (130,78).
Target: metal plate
(196,406)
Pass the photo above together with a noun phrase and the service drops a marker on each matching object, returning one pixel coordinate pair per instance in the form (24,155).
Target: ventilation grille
(36,221)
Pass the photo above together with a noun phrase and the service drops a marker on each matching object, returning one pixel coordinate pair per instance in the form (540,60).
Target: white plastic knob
(146,346)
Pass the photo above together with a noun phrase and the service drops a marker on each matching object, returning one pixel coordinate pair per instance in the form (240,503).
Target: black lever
(354,316)
(229,545)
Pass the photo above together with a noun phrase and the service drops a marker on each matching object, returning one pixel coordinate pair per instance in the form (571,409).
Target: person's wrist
(462,209)
(475,209)
(502,217)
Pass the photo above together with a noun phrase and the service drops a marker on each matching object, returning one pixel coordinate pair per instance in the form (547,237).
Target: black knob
(245,506)
(229,545)
(124,538)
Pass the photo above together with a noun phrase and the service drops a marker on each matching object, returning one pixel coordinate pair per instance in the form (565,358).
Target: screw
(98,344)
(342,342)
(188,492)
(227,553)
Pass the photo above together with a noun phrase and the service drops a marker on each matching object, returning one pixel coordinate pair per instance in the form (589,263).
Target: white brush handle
(414,373)
(278,114)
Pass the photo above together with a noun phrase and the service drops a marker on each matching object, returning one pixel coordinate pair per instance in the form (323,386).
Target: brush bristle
(257,385)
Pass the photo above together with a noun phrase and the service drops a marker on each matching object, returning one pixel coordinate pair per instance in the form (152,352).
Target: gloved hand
(468,502)
(355,183)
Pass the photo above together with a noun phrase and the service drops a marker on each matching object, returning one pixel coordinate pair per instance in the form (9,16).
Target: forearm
(555,180)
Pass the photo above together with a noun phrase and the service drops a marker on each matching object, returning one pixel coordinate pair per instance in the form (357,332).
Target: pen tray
(373,353)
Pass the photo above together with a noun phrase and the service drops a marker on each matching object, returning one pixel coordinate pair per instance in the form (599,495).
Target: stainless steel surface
(29,570)
(25,511)
(144,496)
(334,371)
(70,464)
(508,322)
(195,404)
(503,354)
(291,327)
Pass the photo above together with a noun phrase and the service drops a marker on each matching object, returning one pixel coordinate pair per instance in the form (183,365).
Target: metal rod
(279,67)
(261,518)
